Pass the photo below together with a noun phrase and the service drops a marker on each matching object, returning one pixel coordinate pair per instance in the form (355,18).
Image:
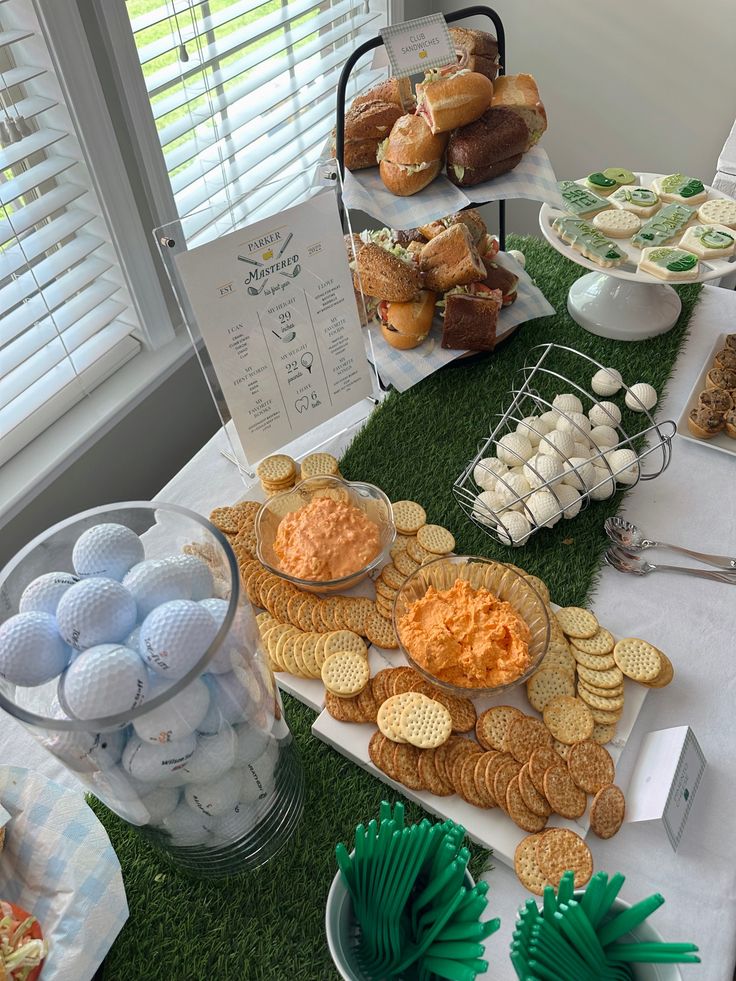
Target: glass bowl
(369,499)
(503,582)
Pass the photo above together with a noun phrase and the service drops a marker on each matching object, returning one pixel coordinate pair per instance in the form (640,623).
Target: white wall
(644,85)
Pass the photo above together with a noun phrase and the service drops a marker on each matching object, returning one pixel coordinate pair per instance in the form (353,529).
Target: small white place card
(417,45)
(665,780)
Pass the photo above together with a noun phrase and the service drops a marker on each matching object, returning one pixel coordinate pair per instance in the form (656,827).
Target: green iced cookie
(664,226)
(620,175)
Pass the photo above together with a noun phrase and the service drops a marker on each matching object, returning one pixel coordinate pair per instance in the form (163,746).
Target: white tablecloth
(694,621)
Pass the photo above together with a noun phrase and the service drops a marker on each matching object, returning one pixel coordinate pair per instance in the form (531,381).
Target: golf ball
(213,722)
(104,680)
(216,797)
(161,763)
(175,636)
(160,803)
(230,695)
(251,742)
(95,611)
(157,581)
(108,550)
(200,577)
(188,827)
(178,718)
(86,752)
(213,757)
(229,651)
(43,594)
(31,650)
(258,776)
(235,824)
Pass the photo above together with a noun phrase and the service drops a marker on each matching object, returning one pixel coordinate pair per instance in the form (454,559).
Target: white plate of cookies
(643,227)
(708,417)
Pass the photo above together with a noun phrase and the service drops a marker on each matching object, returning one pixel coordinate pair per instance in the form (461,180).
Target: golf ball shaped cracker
(641,397)
(606,381)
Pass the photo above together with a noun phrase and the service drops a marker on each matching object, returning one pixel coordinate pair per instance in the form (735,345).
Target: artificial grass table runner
(269,924)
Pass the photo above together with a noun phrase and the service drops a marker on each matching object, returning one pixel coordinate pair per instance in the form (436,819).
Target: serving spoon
(624,561)
(626,534)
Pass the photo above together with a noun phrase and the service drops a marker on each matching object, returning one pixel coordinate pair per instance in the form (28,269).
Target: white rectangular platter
(720,442)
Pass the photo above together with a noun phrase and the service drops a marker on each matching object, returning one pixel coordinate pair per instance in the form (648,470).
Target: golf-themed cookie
(709,241)
(668,263)
(580,201)
(588,241)
(680,189)
(617,223)
(598,183)
(639,201)
(665,226)
(719,211)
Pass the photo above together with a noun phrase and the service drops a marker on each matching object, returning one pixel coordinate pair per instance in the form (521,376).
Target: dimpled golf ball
(570,500)
(605,485)
(188,827)
(213,756)
(533,428)
(231,696)
(258,775)
(95,611)
(579,473)
(544,508)
(31,650)
(514,448)
(558,444)
(229,651)
(175,636)
(107,550)
(214,722)
(486,472)
(177,718)
(566,403)
(215,797)
(603,436)
(86,752)
(575,423)
(513,529)
(104,680)
(641,397)
(485,508)
(251,742)
(606,381)
(625,465)
(157,581)
(160,763)
(160,803)
(42,595)
(200,577)
(235,824)
(605,414)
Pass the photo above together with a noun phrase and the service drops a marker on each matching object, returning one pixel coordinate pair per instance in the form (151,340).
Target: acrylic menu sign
(274,303)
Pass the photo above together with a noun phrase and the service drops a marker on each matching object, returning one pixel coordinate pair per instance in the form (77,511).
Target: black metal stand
(376,42)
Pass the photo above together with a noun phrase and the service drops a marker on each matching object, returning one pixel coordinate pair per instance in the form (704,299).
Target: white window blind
(242,93)
(66,318)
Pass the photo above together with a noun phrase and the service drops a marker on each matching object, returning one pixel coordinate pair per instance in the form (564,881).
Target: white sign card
(418,45)
(274,303)
(665,780)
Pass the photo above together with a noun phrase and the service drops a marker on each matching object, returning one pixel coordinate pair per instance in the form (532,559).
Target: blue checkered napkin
(58,864)
(534,178)
(402,369)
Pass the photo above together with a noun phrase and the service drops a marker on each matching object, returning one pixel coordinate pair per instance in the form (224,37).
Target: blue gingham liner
(58,864)
(402,369)
(534,178)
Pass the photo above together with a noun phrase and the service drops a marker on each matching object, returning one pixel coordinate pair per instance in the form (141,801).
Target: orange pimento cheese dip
(326,539)
(466,636)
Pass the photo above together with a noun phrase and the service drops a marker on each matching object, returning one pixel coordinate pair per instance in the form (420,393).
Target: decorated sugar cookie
(588,241)
(621,175)
(578,200)
(617,223)
(709,241)
(639,201)
(600,184)
(681,189)
(667,263)
(666,225)
(720,211)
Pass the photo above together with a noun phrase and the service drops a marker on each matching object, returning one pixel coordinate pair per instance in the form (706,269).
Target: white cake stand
(622,303)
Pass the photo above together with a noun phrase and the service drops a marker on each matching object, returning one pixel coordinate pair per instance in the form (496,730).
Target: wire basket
(510,496)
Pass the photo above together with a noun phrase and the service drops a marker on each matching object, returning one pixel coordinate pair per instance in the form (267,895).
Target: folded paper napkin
(58,864)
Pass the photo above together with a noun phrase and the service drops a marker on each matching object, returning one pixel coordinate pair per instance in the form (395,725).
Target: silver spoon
(628,535)
(625,562)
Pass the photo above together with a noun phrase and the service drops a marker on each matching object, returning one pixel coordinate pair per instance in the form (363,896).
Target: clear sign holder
(236,214)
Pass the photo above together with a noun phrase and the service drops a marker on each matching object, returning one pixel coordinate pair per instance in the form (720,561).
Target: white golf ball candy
(641,397)
(606,381)
(575,423)
(513,529)
(511,489)
(216,797)
(519,256)
(104,680)
(213,756)
(570,500)
(95,611)
(558,444)
(31,650)
(107,550)
(188,827)
(258,775)
(235,824)
(533,428)
(42,595)
(544,508)
(487,470)
(160,803)
(582,450)
(566,403)
(231,696)
(544,469)
(157,581)
(251,742)
(86,752)
(161,763)
(579,473)
(605,414)
(175,636)
(605,485)
(199,574)
(513,448)
(485,507)
(625,466)
(549,419)
(601,436)
(177,718)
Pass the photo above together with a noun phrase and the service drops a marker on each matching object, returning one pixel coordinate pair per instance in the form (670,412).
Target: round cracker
(594,662)
(436,539)
(493,724)
(605,718)
(430,777)
(404,563)
(665,676)
(380,632)
(517,810)
(392,577)
(607,811)
(374,747)
(603,692)
(637,659)
(479,776)
(603,734)
(319,465)
(536,802)
(507,772)
(406,765)
(568,719)
(610,678)
(276,469)
(469,791)
(546,684)
(576,622)
(345,640)
(524,736)
(461,709)
(564,796)
(408,516)
(389,713)
(345,673)
(604,704)
(379,683)
(539,762)
(425,724)
(602,642)
(417,552)
(527,867)
(590,766)
(558,850)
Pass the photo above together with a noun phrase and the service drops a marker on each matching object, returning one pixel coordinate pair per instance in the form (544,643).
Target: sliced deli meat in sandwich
(471,218)
(447,102)
(366,126)
(411,157)
(498,278)
(476,50)
(395,90)
(471,315)
(487,148)
(385,276)
(520,94)
(450,259)
(405,325)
